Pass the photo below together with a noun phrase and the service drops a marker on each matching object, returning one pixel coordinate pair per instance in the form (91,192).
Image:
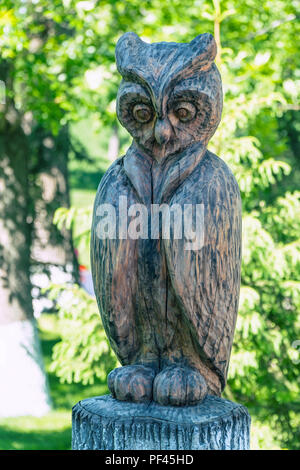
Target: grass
(53,431)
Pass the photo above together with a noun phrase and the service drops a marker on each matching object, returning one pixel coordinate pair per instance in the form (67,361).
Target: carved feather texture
(164,307)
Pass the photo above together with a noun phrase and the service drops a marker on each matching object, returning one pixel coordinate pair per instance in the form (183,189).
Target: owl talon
(131,383)
(179,386)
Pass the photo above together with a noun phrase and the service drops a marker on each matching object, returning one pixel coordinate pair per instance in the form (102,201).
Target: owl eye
(185,111)
(142,113)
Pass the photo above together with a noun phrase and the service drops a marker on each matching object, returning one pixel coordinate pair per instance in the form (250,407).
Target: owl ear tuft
(204,47)
(127,50)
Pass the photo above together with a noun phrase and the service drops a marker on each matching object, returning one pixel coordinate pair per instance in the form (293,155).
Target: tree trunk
(49,245)
(23,381)
(104,423)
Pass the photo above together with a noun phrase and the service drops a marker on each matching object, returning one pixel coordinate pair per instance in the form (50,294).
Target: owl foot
(179,386)
(131,383)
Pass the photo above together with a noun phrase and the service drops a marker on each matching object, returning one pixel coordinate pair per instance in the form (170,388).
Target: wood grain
(169,312)
(103,423)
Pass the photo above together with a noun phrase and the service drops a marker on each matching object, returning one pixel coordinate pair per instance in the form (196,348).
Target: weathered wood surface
(169,312)
(103,423)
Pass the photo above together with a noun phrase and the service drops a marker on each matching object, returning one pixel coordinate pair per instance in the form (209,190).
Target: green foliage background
(71,76)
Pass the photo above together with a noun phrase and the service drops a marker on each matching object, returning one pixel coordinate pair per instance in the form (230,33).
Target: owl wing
(113,264)
(207,281)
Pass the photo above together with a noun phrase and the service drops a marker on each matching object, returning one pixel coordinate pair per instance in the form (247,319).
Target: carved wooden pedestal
(103,423)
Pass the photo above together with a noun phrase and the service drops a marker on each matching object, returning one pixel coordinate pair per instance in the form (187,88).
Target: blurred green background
(58,135)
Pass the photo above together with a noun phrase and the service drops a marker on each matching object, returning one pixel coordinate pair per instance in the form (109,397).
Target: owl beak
(162,131)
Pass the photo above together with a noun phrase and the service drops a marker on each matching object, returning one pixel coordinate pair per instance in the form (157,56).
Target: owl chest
(146,222)
(144,227)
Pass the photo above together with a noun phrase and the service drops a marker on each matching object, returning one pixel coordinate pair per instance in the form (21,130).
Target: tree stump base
(103,423)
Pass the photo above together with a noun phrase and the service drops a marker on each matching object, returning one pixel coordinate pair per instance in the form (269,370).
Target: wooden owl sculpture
(169,309)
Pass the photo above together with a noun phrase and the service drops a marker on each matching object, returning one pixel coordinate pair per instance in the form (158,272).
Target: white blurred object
(42,280)
(86,280)
(58,275)
(41,305)
(23,383)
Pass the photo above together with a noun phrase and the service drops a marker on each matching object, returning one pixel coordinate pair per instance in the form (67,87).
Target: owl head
(171,94)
